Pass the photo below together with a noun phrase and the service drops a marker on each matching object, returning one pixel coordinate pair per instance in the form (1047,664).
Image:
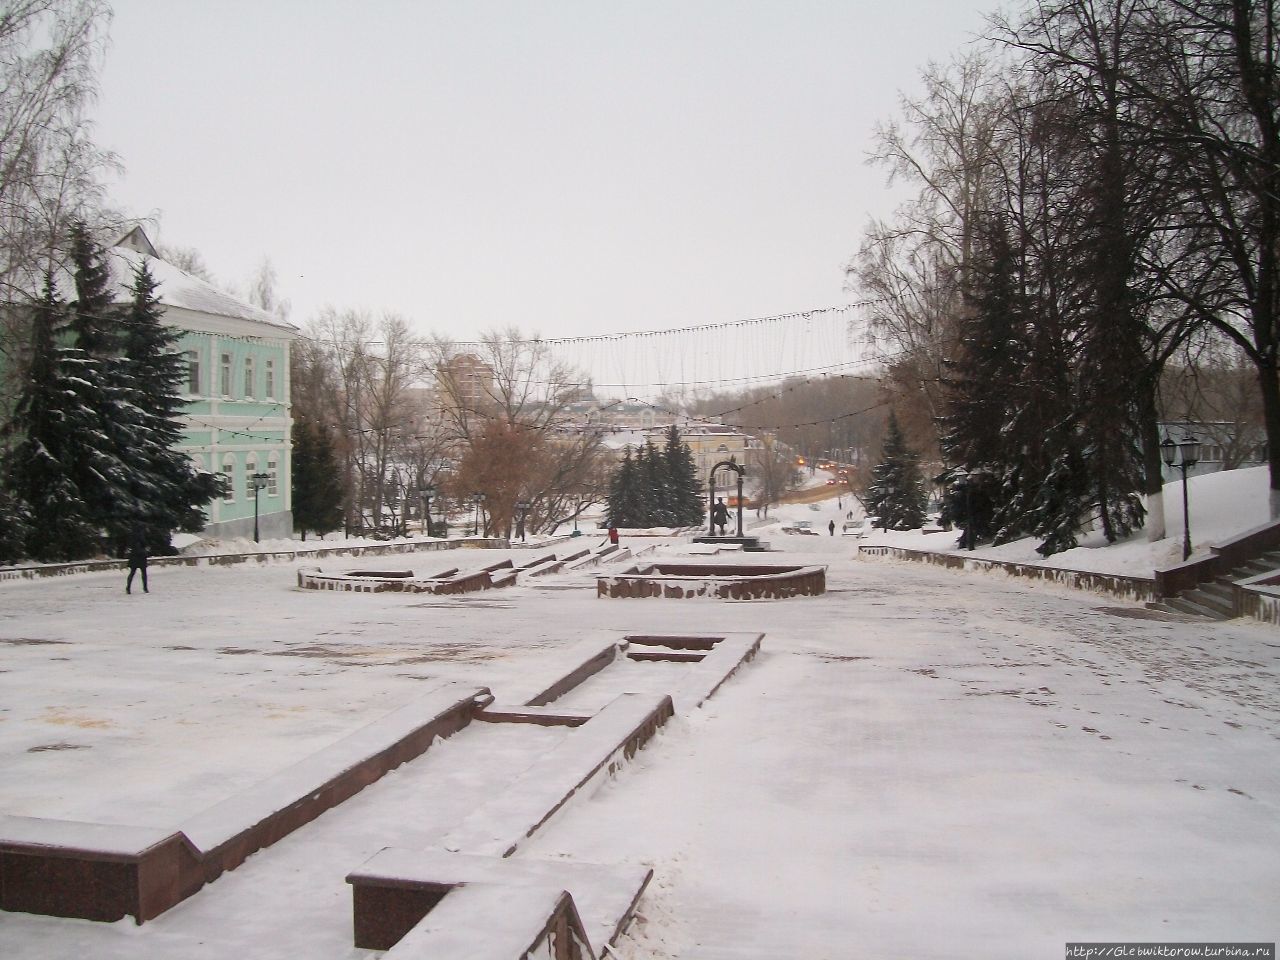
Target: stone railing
(1140,589)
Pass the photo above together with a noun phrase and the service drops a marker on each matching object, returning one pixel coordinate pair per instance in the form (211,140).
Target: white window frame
(269,391)
(193,372)
(226,375)
(229,472)
(273,470)
(249,393)
(250,468)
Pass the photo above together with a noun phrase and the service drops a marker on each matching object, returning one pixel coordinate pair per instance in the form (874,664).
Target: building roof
(177,288)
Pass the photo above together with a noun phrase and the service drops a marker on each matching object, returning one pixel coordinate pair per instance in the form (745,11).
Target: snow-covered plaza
(917,763)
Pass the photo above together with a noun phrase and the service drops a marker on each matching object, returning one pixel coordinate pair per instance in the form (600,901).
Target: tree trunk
(1270,388)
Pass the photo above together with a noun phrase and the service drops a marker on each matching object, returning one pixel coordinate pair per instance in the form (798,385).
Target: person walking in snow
(613,536)
(137,558)
(831,527)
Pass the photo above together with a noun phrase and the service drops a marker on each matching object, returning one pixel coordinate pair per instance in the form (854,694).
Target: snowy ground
(919,763)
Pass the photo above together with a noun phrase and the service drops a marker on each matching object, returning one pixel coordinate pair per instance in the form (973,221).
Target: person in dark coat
(137,559)
(831,527)
(720,515)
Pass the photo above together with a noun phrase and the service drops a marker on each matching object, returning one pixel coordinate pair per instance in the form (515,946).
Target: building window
(250,468)
(226,375)
(229,476)
(248,378)
(193,372)
(273,469)
(271,380)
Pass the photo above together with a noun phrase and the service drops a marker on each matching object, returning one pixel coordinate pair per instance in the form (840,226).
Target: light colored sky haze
(566,167)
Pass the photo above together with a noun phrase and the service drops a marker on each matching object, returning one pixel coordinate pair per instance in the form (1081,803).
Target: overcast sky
(565,167)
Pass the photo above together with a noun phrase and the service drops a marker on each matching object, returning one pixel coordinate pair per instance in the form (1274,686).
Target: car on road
(802,527)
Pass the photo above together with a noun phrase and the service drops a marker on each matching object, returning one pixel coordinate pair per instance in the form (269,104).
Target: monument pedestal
(748,544)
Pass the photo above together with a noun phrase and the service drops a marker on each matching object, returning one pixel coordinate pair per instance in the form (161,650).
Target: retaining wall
(1139,589)
(263,556)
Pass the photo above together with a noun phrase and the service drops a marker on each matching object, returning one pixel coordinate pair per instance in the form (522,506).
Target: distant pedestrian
(831,527)
(137,558)
(613,536)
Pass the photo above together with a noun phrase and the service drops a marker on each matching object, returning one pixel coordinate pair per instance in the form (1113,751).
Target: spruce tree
(896,494)
(49,423)
(106,469)
(623,503)
(685,507)
(317,485)
(650,490)
(167,491)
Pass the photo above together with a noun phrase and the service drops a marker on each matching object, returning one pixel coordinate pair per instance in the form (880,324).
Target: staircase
(1215,599)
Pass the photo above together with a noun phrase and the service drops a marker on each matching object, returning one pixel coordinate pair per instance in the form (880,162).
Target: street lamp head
(1168,450)
(477,498)
(259,480)
(1190,448)
(428,491)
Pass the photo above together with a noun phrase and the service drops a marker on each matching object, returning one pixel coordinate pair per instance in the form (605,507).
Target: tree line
(1097,205)
(393,414)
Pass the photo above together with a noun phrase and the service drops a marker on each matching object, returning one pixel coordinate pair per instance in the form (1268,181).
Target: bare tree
(771,467)
(505,404)
(49,165)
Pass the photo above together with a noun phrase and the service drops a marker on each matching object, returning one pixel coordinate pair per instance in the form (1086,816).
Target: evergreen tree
(896,494)
(984,390)
(167,492)
(685,508)
(93,317)
(105,469)
(317,484)
(624,507)
(650,492)
(49,422)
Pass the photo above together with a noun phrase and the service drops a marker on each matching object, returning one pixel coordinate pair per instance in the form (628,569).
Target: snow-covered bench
(490,907)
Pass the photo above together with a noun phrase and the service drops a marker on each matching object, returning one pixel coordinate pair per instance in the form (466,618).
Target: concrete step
(1212,601)
(1253,568)
(1222,589)
(1183,605)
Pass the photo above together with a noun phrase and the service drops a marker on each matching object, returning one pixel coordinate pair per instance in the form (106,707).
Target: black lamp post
(966,477)
(257,481)
(477,499)
(1184,456)
(522,509)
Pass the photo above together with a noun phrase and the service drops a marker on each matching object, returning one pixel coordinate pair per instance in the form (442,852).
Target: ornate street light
(477,499)
(1183,456)
(522,510)
(258,481)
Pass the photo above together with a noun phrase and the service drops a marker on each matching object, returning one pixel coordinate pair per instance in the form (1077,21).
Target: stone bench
(397,888)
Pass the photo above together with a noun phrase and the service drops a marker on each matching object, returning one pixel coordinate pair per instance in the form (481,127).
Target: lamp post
(1184,456)
(257,481)
(425,493)
(477,499)
(522,509)
(966,476)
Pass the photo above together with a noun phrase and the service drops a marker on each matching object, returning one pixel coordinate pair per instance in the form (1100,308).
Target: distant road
(815,494)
